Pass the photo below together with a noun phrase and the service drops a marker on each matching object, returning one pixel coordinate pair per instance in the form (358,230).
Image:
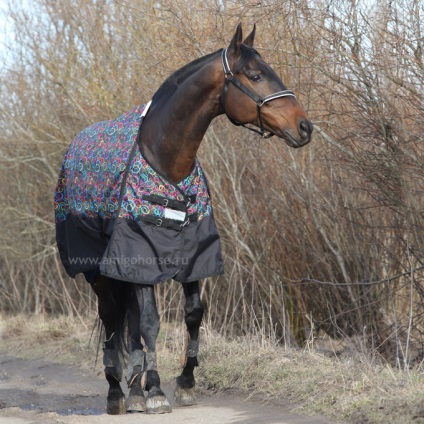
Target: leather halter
(260,101)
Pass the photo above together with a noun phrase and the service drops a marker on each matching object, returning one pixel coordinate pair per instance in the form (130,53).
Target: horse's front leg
(112,316)
(184,392)
(156,401)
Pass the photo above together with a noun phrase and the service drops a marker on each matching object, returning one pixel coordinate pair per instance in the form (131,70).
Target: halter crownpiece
(260,101)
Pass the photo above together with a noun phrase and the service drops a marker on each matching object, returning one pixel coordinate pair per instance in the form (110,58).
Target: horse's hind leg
(112,316)
(136,401)
(184,393)
(156,401)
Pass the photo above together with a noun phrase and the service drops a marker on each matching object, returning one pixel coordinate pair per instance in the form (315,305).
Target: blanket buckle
(186,222)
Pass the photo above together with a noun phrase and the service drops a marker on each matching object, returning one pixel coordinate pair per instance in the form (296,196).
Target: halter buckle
(226,66)
(228,75)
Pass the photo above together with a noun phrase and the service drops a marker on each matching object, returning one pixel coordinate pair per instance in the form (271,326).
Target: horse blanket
(115,214)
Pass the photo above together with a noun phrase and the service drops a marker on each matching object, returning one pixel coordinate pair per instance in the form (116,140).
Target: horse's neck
(174,128)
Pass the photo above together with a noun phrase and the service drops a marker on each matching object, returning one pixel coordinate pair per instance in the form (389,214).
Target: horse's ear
(234,47)
(251,37)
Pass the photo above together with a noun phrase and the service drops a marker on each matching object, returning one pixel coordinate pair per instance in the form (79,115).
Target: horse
(133,208)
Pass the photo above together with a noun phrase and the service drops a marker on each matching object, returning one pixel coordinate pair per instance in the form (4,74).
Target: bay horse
(133,207)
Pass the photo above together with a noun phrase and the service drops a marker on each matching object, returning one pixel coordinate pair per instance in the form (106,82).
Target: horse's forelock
(247,54)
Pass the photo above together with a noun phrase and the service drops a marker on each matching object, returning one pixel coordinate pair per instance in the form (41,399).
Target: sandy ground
(41,392)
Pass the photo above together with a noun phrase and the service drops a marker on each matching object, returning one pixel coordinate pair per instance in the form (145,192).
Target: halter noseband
(260,101)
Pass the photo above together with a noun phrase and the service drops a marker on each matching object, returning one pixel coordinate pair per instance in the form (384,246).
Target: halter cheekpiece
(260,101)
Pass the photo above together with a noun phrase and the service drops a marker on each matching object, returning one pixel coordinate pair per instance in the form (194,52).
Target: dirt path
(35,392)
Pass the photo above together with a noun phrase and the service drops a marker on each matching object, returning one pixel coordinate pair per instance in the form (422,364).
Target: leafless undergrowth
(322,242)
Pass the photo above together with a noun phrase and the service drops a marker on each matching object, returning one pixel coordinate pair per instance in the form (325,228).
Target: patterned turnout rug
(115,214)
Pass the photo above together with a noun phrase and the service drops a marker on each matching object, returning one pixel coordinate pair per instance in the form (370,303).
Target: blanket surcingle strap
(117,215)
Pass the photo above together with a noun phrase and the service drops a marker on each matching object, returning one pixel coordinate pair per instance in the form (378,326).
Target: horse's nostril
(305,128)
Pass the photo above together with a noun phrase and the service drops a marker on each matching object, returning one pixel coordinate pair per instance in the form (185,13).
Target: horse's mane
(169,86)
(178,77)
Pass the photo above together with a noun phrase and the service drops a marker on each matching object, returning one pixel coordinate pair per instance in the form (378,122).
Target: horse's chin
(292,141)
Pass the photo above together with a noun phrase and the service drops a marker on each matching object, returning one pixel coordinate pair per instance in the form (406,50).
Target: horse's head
(254,94)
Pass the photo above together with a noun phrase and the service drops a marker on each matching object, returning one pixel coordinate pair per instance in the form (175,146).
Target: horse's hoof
(116,407)
(136,403)
(158,405)
(185,397)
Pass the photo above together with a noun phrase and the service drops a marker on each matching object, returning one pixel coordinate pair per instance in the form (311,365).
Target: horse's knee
(194,315)
(150,326)
(193,306)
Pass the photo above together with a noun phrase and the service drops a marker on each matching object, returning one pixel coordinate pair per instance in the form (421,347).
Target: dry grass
(62,339)
(354,388)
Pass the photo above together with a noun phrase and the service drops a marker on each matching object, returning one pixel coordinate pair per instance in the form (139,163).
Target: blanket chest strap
(179,205)
(169,223)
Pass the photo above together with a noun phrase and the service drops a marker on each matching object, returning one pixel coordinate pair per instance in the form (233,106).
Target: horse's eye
(255,78)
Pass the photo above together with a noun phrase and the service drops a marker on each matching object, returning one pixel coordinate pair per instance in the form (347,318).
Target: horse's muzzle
(304,129)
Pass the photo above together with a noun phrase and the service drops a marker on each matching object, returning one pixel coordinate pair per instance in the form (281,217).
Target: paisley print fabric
(109,219)
(92,173)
